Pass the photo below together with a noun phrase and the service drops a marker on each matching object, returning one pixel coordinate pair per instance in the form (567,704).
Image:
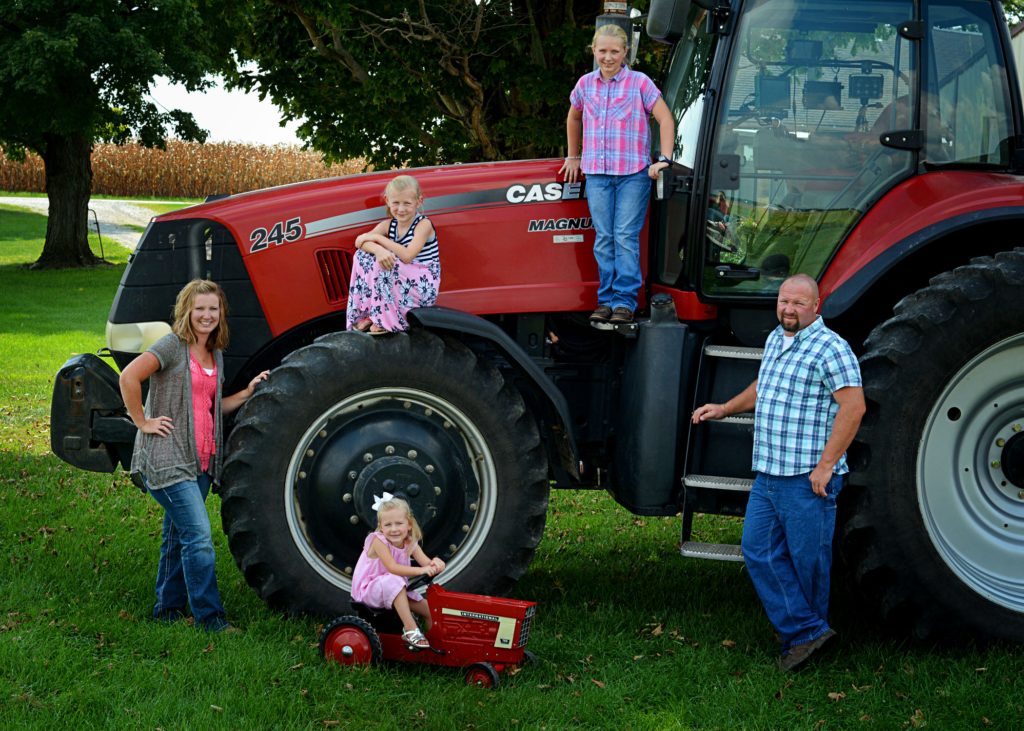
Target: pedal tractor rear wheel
(350,640)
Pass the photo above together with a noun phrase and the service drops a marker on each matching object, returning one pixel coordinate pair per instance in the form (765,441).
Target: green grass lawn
(628,634)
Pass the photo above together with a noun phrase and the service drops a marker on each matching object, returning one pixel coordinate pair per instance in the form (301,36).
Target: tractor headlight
(134,337)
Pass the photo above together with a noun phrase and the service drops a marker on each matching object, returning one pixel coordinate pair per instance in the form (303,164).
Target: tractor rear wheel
(935,527)
(353,416)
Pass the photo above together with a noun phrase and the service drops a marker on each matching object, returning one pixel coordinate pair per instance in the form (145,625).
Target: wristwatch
(662,158)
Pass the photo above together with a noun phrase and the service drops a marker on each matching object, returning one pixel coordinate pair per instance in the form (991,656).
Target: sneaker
(799,654)
(169,616)
(599,318)
(621,316)
(219,625)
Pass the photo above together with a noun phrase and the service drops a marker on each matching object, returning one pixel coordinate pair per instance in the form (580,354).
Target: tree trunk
(68,164)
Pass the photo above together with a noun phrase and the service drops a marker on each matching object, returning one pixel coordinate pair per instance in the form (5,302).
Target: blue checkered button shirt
(795,409)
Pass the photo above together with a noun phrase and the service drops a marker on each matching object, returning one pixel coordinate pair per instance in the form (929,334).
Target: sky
(229,116)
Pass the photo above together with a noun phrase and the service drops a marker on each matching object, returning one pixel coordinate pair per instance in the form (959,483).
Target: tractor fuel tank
(648,427)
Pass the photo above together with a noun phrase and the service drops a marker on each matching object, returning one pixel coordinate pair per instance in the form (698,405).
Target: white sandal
(415,639)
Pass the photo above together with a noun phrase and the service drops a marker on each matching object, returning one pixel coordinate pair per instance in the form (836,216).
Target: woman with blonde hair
(179,446)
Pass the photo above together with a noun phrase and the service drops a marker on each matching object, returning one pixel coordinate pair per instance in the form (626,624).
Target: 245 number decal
(280,233)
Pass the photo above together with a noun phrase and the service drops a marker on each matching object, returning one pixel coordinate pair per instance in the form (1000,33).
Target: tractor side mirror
(667,20)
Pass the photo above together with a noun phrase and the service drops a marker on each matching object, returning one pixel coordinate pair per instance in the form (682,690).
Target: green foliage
(83,67)
(628,634)
(1014,10)
(441,81)
(74,72)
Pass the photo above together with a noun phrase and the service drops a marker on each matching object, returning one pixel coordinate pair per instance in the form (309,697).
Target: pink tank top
(204,389)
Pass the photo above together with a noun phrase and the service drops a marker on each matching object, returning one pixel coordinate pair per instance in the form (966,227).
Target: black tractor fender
(441,319)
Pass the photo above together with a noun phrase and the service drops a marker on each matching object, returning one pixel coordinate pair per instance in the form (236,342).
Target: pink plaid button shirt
(616,127)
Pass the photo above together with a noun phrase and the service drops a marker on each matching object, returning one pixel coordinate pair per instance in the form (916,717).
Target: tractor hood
(513,238)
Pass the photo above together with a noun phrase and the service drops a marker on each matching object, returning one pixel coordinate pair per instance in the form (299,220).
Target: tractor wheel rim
(967,467)
(470,520)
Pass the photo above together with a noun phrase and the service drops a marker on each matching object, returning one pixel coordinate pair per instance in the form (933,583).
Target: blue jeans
(618,207)
(186,573)
(787,546)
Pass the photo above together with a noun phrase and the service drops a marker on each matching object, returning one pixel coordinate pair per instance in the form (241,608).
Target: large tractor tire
(352,416)
(935,528)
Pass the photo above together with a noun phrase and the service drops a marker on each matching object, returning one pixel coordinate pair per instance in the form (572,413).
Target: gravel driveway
(114,217)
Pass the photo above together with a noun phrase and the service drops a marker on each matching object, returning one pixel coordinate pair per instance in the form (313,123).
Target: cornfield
(183,170)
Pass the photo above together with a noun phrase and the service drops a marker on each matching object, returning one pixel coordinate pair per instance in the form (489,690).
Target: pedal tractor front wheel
(482,675)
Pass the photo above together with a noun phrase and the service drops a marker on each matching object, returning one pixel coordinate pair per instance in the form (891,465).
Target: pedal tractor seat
(383,620)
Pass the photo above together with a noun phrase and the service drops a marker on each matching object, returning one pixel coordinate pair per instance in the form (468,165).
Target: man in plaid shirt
(808,403)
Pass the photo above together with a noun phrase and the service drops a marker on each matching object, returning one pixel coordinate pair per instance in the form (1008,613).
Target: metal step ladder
(719,551)
(713,551)
(733,351)
(710,482)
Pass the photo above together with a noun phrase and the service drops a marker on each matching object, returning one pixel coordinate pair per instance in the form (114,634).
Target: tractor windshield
(813,88)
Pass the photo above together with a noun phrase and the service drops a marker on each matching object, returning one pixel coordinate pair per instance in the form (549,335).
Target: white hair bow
(378,501)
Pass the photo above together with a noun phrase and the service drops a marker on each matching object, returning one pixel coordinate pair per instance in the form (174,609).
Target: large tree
(75,72)
(421,81)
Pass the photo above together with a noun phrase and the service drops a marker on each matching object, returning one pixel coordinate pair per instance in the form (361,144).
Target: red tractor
(877,146)
(483,634)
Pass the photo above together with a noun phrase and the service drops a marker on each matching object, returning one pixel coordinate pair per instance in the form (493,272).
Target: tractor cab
(794,117)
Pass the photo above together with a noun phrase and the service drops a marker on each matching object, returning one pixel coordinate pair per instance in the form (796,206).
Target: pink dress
(385,295)
(372,584)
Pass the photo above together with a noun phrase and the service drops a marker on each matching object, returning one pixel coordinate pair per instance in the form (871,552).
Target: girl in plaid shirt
(610,109)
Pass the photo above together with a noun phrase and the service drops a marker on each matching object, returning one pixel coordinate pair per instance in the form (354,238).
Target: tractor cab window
(686,85)
(967,102)
(812,85)
(685,92)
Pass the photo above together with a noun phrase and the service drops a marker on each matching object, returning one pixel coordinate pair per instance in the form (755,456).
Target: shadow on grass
(21,225)
(28,309)
(23,232)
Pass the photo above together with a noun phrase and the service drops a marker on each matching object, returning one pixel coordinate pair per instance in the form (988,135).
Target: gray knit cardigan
(165,461)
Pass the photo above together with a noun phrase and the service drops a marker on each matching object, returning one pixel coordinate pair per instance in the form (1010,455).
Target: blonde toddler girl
(381,576)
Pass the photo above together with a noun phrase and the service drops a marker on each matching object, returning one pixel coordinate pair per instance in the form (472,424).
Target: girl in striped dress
(396,266)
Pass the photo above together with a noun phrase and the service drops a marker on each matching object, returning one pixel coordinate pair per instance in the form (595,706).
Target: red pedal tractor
(482,634)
